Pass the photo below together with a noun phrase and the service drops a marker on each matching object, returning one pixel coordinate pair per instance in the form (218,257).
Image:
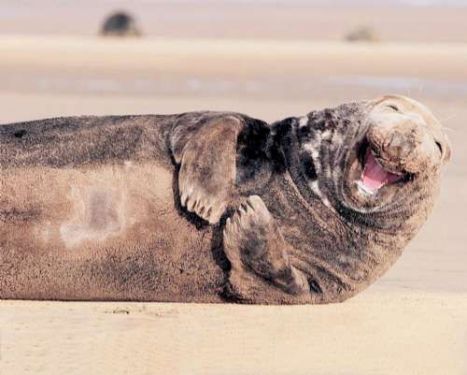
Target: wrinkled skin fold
(215,207)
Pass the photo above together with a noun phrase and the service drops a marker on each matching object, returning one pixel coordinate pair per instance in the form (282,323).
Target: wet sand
(412,321)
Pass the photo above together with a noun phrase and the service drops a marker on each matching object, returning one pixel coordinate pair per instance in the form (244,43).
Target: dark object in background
(362,34)
(120,24)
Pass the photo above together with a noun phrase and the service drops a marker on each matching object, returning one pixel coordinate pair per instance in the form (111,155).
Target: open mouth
(374,175)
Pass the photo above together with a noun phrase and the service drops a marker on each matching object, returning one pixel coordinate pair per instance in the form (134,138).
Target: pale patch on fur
(77,209)
(303,121)
(315,188)
(46,231)
(98,213)
(337,138)
(311,149)
(327,172)
(326,135)
(109,200)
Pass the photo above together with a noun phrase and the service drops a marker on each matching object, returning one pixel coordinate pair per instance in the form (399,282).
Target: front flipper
(254,244)
(207,167)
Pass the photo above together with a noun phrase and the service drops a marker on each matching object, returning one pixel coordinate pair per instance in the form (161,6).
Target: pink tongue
(374,175)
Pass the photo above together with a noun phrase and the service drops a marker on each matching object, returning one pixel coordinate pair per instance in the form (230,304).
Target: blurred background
(266,58)
(270,59)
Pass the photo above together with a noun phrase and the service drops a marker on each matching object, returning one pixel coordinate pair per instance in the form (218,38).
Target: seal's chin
(374,176)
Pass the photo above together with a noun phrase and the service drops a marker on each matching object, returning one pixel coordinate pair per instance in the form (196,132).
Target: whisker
(408,92)
(450,129)
(420,88)
(449,118)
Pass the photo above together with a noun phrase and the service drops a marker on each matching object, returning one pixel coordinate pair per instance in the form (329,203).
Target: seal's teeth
(365,189)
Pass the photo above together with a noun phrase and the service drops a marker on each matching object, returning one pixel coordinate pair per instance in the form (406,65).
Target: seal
(213,207)
(120,24)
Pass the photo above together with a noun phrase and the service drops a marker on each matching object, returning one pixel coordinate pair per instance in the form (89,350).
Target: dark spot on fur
(20,133)
(217,245)
(252,152)
(314,286)
(281,141)
(309,167)
(304,132)
(16,215)
(329,113)
(137,271)
(320,125)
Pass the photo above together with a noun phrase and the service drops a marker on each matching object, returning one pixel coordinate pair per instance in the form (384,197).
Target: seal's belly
(71,210)
(102,232)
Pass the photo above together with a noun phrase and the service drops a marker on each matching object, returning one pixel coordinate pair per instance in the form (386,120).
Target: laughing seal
(211,206)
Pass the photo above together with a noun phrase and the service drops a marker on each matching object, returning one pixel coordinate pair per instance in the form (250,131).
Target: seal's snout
(402,148)
(399,146)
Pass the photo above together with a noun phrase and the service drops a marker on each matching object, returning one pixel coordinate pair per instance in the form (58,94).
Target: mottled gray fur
(252,212)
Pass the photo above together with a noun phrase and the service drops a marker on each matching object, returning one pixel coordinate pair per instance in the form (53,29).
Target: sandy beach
(411,332)
(412,321)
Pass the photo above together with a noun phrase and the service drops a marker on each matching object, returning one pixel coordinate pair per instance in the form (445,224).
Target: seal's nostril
(440,147)
(399,146)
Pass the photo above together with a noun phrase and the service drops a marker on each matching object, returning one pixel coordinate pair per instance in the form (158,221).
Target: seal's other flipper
(206,151)
(254,243)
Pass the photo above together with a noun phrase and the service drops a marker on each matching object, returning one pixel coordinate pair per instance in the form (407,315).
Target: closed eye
(393,107)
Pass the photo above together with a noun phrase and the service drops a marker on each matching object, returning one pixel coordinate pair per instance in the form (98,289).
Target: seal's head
(374,157)
(402,147)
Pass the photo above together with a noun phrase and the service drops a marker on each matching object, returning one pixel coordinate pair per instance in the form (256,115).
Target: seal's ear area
(206,154)
(443,145)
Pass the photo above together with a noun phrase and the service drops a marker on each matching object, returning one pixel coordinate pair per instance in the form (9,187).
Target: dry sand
(400,333)
(413,321)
